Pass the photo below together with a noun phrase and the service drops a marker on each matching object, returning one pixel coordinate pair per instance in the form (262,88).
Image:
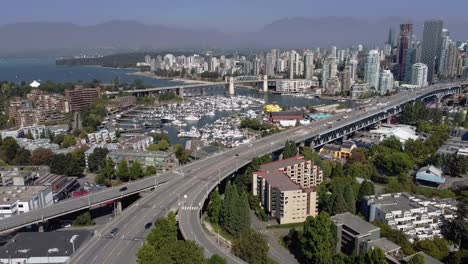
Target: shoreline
(150,75)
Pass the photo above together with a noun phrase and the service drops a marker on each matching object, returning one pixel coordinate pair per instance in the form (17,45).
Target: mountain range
(284,33)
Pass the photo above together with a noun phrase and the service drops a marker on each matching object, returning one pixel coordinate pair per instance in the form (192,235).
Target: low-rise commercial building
(16,200)
(295,85)
(384,131)
(417,216)
(356,236)
(43,247)
(163,161)
(342,151)
(430,175)
(287,189)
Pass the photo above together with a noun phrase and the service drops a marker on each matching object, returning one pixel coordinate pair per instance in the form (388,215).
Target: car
(123,189)
(237,154)
(148,225)
(114,231)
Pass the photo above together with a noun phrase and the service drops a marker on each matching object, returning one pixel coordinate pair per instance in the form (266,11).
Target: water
(17,70)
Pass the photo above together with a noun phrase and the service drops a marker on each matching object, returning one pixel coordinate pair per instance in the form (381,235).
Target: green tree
(136,171)
(83,219)
(392,142)
(164,232)
(337,170)
(97,159)
(181,153)
(22,157)
(437,248)
(147,254)
(316,240)
(417,259)
(366,188)
(290,150)
(122,171)
(350,198)
(163,145)
(214,208)
(150,171)
(68,141)
(251,247)
(107,172)
(186,252)
(396,236)
(8,149)
(375,256)
(216,259)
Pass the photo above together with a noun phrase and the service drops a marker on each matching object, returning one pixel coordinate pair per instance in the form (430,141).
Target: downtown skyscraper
(404,42)
(431,46)
(308,65)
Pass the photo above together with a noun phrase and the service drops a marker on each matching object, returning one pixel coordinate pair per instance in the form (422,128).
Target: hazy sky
(229,15)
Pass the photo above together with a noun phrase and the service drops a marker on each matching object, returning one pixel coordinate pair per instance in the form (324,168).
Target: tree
(163,145)
(214,208)
(417,259)
(83,219)
(107,172)
(182,154)
(251,247)
(350,199)
(375,256)
(392,142)
(216,259)
(164,232)
(136,171)
(290,149)
(22,157)
(366,188)
(186,252)
(316,240)
(68,141)
(41,156)
(122,171)
(8,149)
(337,171)
(150,171)
(339,204)
(147,254)
(97,159)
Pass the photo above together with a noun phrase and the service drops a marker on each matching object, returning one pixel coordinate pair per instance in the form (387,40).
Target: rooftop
(357,224)
(384,244)
(10,194)
(40,244)
(427,259)
(152,154)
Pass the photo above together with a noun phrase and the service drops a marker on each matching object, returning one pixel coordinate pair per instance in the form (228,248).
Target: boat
(191,118)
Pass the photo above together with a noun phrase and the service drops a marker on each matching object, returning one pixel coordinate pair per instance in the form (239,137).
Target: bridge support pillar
(118,207)
(40,227)
(265,84)
(231,90)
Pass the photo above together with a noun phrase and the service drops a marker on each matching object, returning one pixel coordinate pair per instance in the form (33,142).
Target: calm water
(17,70)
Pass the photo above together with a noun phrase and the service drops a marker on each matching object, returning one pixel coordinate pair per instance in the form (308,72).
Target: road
(195,181)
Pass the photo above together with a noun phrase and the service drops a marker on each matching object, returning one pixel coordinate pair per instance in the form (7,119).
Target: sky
(225,15)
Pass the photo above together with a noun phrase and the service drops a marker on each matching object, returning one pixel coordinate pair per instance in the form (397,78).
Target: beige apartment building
(287,189)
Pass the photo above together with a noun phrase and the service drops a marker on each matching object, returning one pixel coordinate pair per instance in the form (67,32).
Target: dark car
(123,189)
(237,155)
(148,225)
(114,231)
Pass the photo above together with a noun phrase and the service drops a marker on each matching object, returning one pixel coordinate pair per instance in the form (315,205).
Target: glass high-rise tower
(431,46)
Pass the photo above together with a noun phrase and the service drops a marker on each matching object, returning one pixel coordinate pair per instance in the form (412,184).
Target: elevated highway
(196,180)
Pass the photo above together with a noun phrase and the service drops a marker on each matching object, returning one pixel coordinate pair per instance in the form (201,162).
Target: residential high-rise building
(404,42)
(275,54)
(270,65)
(247,67)
(386,82)
(410,59)
(256,67)
(372,69)
(444,50)
(333,66)
(287,189)
(80,98)
(279,65)
(341,56)
(452,60)
(213,66)
(345,79)
(353,70)
(325,72)
(431,45)
(308,65)
(292,64)
(419,75)
(392,38)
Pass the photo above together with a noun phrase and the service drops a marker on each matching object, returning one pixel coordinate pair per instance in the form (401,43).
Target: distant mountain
(130,35)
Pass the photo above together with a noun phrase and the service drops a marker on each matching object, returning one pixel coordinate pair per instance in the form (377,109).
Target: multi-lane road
(186,189)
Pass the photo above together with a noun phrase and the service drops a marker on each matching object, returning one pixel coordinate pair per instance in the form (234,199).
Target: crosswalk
(190,208)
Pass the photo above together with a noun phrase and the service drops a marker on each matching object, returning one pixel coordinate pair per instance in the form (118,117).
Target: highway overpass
(197,179)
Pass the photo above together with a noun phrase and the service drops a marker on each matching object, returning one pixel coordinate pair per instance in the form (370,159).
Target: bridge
(188,187)
(201,88)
